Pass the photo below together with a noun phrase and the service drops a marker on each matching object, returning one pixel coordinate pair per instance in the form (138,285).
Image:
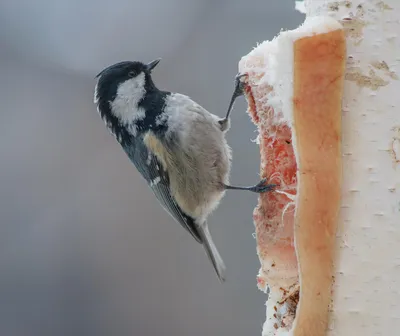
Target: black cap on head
(129,66)
(119,65)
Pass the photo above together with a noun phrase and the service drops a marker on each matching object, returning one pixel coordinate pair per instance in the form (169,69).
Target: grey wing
(152,170)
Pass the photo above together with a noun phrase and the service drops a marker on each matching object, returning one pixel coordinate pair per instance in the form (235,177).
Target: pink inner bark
(274,215)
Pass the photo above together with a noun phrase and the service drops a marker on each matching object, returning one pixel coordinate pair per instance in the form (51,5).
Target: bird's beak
(150,66)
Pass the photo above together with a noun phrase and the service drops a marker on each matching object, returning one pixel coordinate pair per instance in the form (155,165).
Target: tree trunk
(366,299)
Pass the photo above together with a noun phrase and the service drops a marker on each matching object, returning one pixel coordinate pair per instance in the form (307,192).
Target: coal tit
(177,146)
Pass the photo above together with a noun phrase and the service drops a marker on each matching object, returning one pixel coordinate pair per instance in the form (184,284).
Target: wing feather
(157,178)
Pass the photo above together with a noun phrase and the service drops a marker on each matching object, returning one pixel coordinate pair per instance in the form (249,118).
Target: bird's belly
(199,184)
(203,160)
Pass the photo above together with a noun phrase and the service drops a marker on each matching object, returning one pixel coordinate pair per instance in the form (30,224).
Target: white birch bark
(366,299)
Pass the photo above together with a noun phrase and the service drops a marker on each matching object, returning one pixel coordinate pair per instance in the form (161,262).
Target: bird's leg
(259,188)
(238,91)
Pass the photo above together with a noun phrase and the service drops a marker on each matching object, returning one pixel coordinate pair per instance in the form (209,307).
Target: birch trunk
(366,299)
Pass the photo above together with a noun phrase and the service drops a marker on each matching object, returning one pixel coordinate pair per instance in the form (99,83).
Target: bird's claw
(262,187)
(239,85)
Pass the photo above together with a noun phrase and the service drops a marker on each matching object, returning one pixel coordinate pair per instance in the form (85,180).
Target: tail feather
(212,252)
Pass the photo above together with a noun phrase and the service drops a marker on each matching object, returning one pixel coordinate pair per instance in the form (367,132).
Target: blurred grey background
(85,247)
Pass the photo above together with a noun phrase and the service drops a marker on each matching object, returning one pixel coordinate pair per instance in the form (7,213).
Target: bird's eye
(132,73)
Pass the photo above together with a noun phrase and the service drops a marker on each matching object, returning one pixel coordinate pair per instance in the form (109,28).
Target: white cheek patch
(129,94)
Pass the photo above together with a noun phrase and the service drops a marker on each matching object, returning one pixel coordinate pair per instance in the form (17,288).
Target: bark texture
(367,277)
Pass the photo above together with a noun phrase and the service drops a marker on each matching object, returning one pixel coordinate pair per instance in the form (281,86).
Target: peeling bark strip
(366,298)
(318,88)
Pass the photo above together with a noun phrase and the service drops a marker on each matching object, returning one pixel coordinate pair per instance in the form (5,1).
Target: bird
(178,147)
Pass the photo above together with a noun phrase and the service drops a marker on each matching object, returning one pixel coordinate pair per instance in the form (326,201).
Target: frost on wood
(299,5)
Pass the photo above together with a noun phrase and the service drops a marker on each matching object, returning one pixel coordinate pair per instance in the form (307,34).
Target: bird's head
(120,88)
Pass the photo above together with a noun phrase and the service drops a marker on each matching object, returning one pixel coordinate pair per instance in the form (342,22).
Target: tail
(212,252)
